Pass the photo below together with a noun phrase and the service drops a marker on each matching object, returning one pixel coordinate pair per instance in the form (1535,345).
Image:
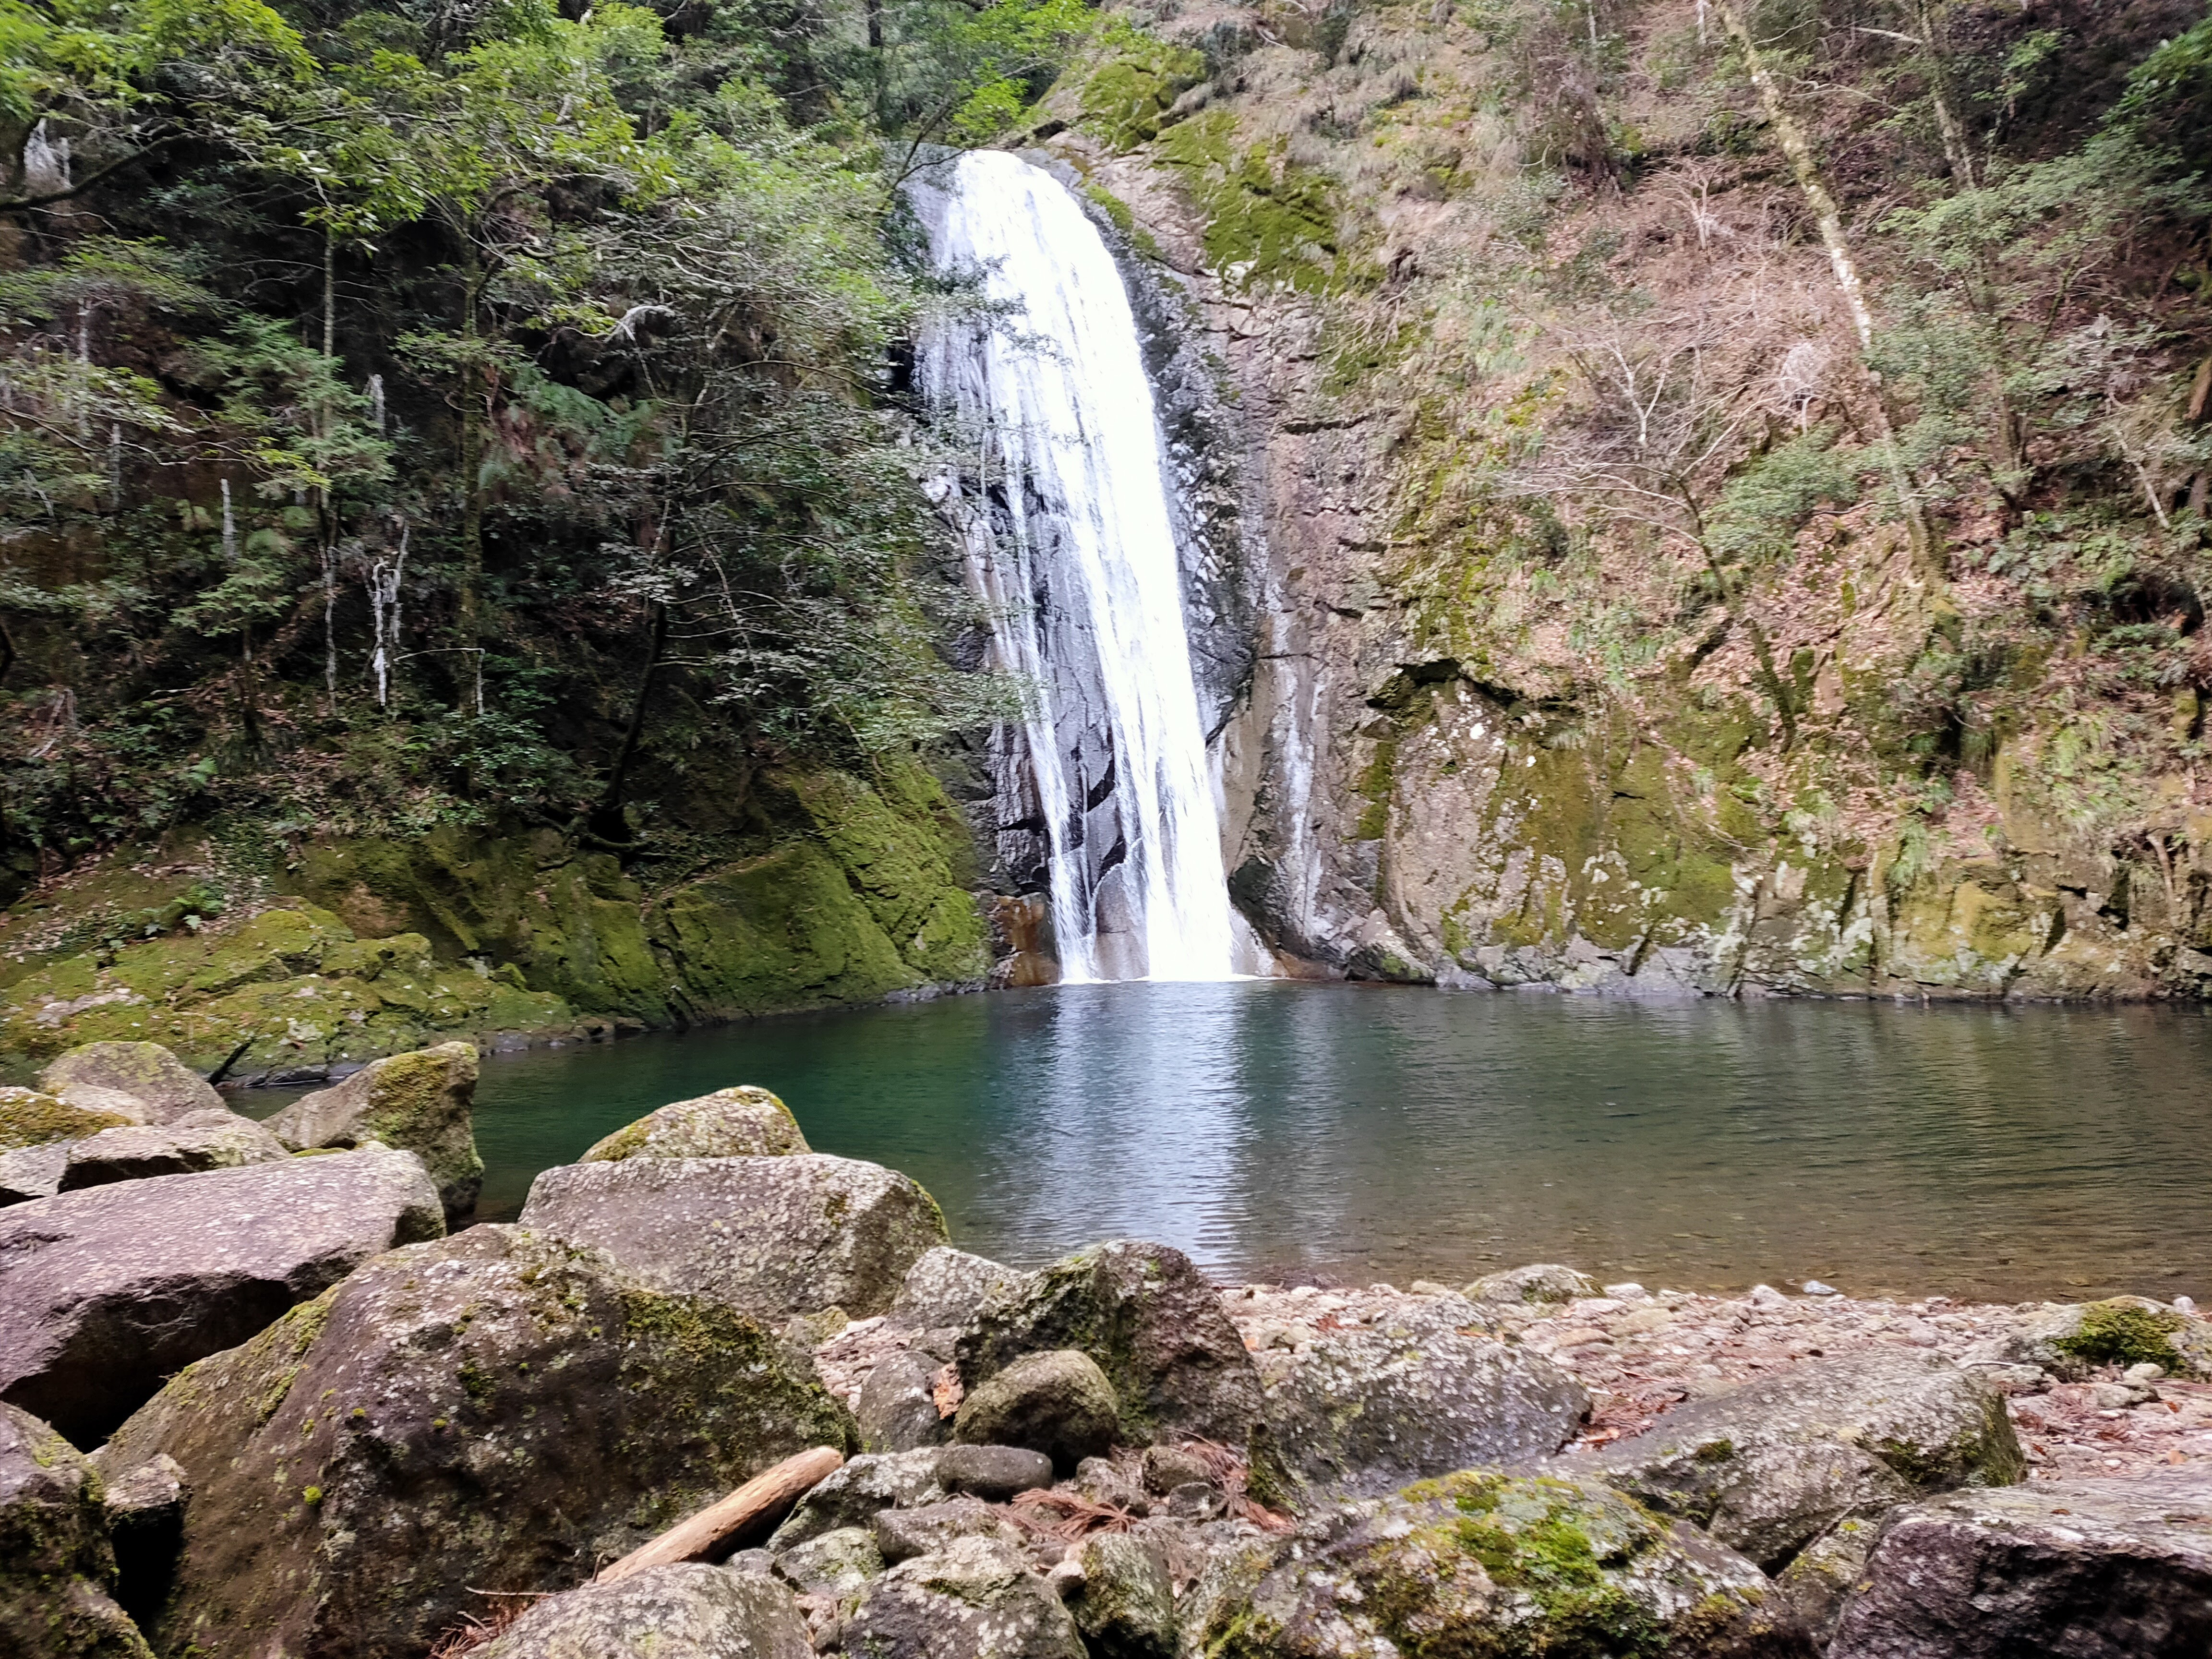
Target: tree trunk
(607,821)
(472,448)
(1799,152)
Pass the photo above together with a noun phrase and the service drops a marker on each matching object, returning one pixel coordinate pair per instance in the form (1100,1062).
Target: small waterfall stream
(1071,542)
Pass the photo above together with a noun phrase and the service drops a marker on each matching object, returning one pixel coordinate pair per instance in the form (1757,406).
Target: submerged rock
(216,1139)
(490,1410)
(1058,1403)
(975,1599)
(164,1085)
(1365,1410)
(688,1611)
(737,1122)
(2085,1569)
(769,1236)
(420,1103)
(56,1568)
(1768,1467)
(105,1292)
(1147,1319)
(1483,1564)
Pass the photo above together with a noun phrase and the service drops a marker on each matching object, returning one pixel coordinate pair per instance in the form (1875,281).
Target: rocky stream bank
(717,1395)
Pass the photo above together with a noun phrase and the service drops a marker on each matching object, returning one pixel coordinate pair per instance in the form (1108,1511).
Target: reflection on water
(1359,1132)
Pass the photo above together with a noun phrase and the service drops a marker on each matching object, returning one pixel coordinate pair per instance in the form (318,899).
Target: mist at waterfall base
(1358,1133)
(1070,543)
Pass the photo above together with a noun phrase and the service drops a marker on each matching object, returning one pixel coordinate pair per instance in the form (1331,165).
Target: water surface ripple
(1356,1134)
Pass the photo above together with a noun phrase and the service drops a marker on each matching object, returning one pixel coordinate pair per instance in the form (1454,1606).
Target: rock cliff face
(1485,726)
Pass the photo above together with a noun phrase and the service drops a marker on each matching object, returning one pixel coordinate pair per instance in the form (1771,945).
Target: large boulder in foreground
(1365,1410)
(1768,1467)
(975,1599)
(737,1122)
(216,1139)
(2076,1570)
(769,1236)
(492,1411)
(689,1611)
(105,1292)
(56,1570)
(1482,1564)
(1150,1321)
(164,1086)
(420,1103)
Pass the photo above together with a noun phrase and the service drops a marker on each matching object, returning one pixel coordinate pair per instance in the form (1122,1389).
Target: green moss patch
(2122,1334)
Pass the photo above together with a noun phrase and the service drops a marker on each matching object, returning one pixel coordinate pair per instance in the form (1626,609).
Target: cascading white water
(1081,572)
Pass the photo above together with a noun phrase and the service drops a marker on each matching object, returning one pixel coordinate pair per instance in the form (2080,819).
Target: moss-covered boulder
(1147,1317)
(1768,1467)
(742,1121)
(31,1117)
(56,1567)
(770,1236)
(106,1291)
(1124,1602)
(492,1411)
(420,1103)
(1058,1402)
(289,989)
(1482,1564)
(2073,1340)
(687,1611)
(217,1140)
(164,1085)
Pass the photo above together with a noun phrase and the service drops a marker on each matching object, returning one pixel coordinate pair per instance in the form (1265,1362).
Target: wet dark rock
(216,1139)
(688,1611)
(56,1568)
(1769,1466)
(490,1411)
(164,1087)
(897,1407)
(105,1292)
(1124,1602)
(992,1472)
(1486,1564)
(855,1494)
(1058,1403)
(737,1122)
(1148,1319)
(1820,1580)
(145,1509)
(975,1599)
(2075,1570)
(901,1534)
(1365,1410)
(420,1103)
(769,1236)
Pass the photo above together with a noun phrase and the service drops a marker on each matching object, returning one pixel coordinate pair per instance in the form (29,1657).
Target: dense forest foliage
(422,412)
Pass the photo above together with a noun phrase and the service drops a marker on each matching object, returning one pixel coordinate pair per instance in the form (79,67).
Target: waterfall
(1070,541)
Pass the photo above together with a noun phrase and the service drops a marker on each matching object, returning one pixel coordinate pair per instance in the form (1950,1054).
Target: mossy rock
(29,1118)
(742,1121)
(491,1409)
(56,1568)
(1126,98)
(420,1103)
(164,1087)
(1481,1565)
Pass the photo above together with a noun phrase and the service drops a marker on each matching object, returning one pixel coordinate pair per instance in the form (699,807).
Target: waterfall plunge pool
(1351,1133)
